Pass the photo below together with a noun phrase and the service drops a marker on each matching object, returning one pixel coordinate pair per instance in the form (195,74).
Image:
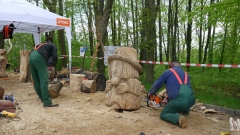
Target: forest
(190,31)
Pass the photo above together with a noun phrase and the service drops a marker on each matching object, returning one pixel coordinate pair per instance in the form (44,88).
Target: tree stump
(24,66)
(3,62)
(88,86)
(76,81)
(55,89)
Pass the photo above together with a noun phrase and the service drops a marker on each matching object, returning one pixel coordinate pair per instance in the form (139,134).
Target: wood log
(88,86)
(76,81)
(24,66)
(100,81)
(3,62)
(55,89)
(88,74)
(1,93)
(98,77)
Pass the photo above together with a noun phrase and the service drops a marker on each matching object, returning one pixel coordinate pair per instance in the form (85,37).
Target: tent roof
(27,17)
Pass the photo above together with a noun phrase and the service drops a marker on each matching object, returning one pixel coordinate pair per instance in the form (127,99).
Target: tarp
(29,18)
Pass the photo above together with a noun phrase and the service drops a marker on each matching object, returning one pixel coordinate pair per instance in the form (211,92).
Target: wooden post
(24,66)
(76,81)
(3,62)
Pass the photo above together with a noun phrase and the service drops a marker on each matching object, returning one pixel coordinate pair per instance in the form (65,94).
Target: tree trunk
(189,34)
(160,29)
(119,27)
(200,35)
(143,50)
(174,54)
(61,37)
(114,29)
(169,39)
(101,22)
(137,26)
(210,54)
(90,28)
(223,47)
(151,38)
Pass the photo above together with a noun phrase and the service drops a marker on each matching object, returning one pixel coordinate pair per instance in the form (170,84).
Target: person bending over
(38,65)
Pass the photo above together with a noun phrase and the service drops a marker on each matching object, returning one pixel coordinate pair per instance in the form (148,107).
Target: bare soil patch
(86,114)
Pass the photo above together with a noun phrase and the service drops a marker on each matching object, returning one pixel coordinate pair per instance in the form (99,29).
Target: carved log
(24,66)
(123,87)
(3,62)
(88,86)
(55,89)
(76,81)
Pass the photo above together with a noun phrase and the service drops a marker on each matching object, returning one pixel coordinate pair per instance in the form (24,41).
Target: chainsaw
(7,114)
(154,100)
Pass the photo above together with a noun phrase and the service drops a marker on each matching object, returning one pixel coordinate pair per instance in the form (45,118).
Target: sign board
(109,52)
(62,22)
(82,51)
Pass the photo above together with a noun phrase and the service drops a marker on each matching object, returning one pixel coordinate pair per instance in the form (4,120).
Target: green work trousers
(182,103)
(38,67)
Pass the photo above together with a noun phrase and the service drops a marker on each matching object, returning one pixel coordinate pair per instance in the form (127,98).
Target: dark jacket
(48,50)
(172,84)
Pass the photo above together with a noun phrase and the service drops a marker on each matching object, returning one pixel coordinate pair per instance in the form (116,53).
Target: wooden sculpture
(123,87)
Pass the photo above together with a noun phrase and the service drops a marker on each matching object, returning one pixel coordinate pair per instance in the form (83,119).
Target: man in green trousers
(38,65)
(180,96)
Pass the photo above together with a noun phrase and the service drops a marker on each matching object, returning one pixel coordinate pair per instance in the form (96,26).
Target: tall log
(3,62)
(24,66)
(76,81)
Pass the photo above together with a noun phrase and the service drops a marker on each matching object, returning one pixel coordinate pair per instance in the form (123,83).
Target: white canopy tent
(28,18)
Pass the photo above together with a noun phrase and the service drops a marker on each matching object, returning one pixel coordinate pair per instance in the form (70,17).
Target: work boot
(51,105)
(182,121)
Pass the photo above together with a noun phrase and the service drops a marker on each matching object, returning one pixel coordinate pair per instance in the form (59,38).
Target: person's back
(179,97)
(48,51)
(172,84)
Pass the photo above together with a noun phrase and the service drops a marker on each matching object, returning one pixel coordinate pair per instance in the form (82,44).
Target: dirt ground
(86,114)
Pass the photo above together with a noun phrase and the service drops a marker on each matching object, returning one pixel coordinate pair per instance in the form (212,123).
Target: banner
(109,52)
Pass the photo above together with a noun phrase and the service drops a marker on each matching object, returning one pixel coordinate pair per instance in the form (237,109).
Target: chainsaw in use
(155,101)
(7,114)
